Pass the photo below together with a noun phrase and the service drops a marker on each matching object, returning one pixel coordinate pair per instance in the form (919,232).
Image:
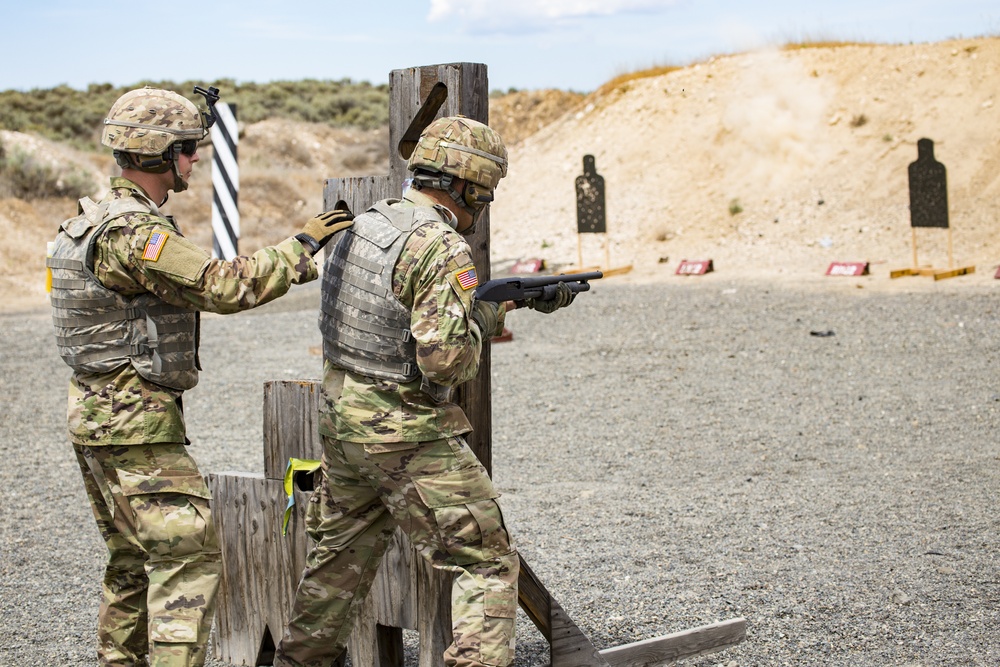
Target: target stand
(929,208)
(591,218)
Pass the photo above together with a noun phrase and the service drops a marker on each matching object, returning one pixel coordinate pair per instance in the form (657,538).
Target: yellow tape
(50,247)
(294,466)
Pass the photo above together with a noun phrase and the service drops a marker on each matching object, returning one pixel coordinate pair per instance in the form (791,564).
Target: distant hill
(773,164)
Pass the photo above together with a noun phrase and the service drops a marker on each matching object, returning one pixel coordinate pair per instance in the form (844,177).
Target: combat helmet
(458,147)
(147,127)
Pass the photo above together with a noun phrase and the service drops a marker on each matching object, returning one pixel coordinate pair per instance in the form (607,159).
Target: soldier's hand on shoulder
(325,225)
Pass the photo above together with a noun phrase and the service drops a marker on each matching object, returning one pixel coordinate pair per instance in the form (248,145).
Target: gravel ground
(669,456)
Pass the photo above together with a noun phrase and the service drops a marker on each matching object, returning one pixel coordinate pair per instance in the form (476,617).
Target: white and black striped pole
(226,183)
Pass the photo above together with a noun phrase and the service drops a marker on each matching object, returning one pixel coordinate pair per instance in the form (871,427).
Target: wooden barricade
(261,569)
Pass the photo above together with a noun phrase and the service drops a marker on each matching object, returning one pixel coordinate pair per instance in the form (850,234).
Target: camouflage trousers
(152,508)
(441,497)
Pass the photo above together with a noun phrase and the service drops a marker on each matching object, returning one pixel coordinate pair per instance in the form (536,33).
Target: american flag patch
(467,278)
(154,245)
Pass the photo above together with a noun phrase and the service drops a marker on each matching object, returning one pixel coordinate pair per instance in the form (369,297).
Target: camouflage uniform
(150,501)
(394,458)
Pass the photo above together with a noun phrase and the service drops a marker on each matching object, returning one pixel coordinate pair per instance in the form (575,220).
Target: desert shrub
(23,176)
(74,116)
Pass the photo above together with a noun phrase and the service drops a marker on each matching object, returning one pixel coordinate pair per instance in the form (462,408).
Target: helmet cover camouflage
(462,147)
(147,120)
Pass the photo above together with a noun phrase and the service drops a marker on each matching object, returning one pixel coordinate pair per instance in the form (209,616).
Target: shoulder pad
(86,206)
(119,207)
(77,227)
(86,217)
(381,225)
(400,218)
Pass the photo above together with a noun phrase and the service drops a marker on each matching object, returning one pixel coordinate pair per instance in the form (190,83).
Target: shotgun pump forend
(542,288)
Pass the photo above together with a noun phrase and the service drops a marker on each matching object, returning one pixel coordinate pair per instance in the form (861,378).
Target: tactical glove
(564,296)
(318,230)
(486,314)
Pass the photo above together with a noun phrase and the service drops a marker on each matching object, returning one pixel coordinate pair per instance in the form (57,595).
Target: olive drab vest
(97,329)
(366,329)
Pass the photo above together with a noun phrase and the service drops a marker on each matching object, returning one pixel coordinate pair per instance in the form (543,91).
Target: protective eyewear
(188,147)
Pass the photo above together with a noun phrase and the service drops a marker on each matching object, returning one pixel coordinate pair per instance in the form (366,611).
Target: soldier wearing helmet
(400,329)
(150,129)
(126,293)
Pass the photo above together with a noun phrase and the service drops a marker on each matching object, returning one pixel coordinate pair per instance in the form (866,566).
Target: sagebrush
(74,116)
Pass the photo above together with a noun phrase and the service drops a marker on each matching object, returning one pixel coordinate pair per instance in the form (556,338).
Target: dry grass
(822,44)
(518,115)
(621,82)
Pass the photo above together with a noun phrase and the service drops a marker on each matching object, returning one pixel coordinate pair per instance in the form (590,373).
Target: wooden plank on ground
(952,273)
(568,646)
(617,270)
(678,646)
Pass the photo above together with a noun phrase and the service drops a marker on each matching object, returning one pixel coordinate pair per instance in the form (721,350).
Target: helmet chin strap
(180,185)
(445,182)
(155,164)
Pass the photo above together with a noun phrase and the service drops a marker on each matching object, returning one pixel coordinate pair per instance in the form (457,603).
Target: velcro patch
(154,246)
(467,278)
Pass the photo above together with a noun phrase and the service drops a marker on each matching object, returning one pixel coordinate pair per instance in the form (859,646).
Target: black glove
(486,314)
(564,296)
(318,230)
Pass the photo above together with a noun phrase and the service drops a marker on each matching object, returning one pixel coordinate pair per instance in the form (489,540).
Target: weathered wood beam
(679,645)
(568,646)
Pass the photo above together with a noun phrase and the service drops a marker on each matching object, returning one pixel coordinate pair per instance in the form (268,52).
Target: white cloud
(493,16)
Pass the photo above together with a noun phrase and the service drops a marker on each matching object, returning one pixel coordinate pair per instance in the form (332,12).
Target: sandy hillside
(812,144)
(811,147)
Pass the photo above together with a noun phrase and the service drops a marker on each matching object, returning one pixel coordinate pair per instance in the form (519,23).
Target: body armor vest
(365,327)
(97,329)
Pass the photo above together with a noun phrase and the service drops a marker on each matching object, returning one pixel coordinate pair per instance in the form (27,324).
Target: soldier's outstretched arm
(184,274)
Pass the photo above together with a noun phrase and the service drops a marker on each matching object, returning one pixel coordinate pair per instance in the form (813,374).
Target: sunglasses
(188,147)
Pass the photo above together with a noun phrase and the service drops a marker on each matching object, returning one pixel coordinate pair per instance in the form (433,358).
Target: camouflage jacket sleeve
(436,278)
(146,253)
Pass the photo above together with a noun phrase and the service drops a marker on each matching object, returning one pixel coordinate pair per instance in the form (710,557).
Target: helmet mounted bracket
(211,96)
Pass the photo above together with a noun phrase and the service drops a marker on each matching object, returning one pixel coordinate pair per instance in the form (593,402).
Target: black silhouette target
(928,189)
(591,216)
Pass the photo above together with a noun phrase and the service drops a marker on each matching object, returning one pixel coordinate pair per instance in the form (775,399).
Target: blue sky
(568,44)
